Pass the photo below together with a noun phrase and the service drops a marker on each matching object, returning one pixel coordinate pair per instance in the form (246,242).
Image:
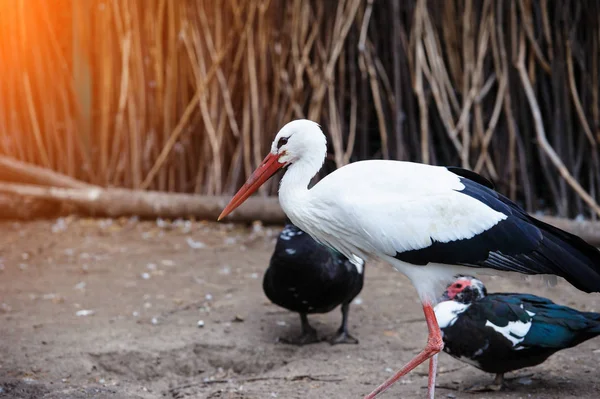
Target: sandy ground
(111,309)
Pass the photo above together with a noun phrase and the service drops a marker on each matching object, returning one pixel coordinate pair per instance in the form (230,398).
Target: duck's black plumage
(502,332)
(307,277)
(519,243)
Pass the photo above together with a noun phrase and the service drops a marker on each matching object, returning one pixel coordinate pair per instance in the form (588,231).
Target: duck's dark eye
(458,285)
(282,141)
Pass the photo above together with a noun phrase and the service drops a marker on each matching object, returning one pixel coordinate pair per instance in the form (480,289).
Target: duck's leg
(434,345)
(308,336)
(496,385)
(342,336)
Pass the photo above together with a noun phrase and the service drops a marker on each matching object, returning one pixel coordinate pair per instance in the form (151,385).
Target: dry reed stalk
(541,135)
(420,66)
(377,102)
(437,77)
(528,25)
(34,123)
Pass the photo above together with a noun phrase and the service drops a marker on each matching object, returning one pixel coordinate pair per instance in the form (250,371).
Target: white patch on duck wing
(447,312)
(514,331)
(290,251)
(531,314)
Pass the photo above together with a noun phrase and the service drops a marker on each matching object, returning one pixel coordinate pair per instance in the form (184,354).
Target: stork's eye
(282,141)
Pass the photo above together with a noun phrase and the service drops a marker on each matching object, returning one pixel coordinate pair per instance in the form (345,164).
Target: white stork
(429,222)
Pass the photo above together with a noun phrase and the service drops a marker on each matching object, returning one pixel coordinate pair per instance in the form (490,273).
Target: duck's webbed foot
(342,336)
(308,336)
(497,385)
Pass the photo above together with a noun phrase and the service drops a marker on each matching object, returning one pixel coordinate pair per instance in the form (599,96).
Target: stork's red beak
(265,170)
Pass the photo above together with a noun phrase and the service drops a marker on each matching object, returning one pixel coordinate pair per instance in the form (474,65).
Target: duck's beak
(265,170)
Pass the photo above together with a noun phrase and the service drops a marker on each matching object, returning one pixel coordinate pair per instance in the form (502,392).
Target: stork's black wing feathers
(469,174)
(519,243)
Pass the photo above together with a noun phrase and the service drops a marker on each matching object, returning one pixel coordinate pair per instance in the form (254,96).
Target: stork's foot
(342,337)
(309,337)
(495,386)
(434,345)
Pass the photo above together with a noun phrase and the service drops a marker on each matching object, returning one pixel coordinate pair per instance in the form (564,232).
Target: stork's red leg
(433,362)
(433,347)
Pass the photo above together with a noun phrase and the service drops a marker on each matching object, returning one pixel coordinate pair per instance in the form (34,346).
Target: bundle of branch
(185,96)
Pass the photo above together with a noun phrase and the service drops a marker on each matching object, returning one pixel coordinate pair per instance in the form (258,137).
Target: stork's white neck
(294,195)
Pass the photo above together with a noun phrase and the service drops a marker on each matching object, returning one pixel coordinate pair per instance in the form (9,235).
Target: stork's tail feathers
(575,260)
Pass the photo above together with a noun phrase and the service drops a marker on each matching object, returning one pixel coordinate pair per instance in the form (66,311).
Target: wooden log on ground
(14,170)
(17,207)
(117,202)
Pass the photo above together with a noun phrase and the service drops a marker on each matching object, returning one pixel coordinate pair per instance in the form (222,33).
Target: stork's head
(465,289)
(299,141)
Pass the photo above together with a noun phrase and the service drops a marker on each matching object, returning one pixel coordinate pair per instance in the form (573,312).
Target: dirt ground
(125,309)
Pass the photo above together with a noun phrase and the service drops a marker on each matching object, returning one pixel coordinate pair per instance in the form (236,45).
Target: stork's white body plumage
(429,222)
(378,208)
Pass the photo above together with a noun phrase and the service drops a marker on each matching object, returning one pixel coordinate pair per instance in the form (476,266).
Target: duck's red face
(457,287)
(465,289)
